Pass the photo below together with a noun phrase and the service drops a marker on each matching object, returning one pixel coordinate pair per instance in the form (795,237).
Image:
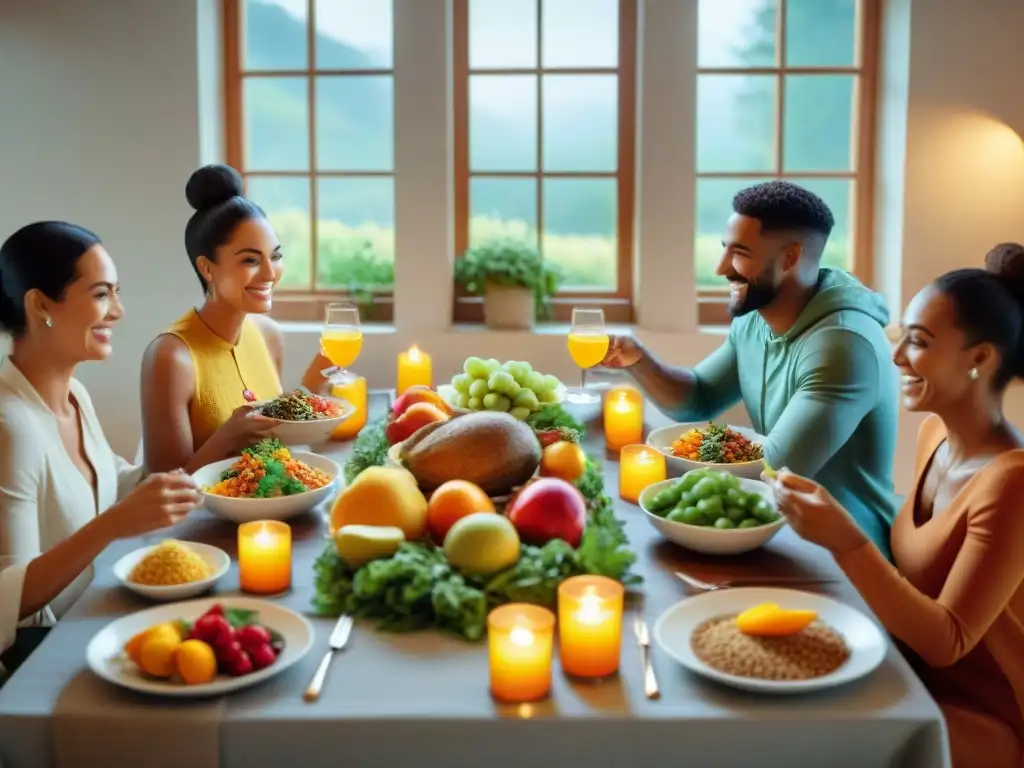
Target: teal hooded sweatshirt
(825,393)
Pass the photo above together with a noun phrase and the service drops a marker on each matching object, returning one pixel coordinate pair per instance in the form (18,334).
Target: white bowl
(448,394)
(674,629)
(105,658)
(663,438)
(312,432)
(709,540)
(277,508)
(214,557)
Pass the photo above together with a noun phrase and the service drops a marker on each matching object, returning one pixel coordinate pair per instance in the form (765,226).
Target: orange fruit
(196,662)
(451,502)
(563,460)
(134,646)
(156,657)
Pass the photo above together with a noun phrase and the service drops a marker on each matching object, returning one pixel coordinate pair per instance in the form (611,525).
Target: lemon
(156,656)
(196,662)
(134,646)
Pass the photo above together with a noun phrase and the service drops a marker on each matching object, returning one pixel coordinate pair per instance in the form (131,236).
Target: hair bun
(1006,261)
(212,185)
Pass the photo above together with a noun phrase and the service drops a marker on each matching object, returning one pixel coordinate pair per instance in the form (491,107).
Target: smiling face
(82,322)
(247,268)
(934,358)
(754,263)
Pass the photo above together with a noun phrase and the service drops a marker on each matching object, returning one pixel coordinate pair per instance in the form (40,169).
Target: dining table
(423,698)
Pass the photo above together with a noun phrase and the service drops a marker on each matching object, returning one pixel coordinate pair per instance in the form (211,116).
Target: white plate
(104,652)
(705,538)
(277,508)
(866,642)
(214,557)
(663,438)
(310,432)
(448,394)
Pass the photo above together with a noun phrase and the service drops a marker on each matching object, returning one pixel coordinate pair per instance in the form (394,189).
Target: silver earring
(973,374)
(49,322)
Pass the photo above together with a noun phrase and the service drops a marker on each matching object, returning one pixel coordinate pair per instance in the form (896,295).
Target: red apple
(548,509)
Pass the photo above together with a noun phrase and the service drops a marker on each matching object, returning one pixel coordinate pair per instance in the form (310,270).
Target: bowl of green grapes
(713,512)
(514,387)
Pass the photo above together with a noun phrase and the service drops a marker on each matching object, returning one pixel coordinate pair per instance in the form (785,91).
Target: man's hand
(623,352)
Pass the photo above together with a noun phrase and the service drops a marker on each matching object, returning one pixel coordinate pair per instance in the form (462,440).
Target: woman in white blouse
(64,495)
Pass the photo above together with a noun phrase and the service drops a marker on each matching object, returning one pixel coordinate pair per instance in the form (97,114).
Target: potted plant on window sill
(517,285)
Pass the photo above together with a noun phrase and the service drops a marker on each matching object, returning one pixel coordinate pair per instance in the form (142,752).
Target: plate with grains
(780,641)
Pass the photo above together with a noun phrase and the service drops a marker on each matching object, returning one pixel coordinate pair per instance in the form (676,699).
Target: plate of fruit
(204,647)
(486,384)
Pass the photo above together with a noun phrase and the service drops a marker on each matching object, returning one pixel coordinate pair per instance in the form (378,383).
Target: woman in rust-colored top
(955,596)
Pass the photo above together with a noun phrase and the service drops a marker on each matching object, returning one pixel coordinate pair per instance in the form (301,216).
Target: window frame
(294,304)
(618,305)
(713,303)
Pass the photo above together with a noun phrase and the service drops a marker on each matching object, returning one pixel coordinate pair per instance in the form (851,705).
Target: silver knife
(643,638)
(339,636)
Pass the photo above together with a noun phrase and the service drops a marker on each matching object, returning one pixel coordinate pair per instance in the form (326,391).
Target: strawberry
(213,630)
(252,636)
(262,656)
(240,665)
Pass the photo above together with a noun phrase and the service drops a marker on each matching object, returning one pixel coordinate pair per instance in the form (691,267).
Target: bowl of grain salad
(172,570)
(267,482)
(707,445)
(767,640)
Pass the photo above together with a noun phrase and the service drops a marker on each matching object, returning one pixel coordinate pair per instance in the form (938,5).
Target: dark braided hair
(989,306)
(215,191)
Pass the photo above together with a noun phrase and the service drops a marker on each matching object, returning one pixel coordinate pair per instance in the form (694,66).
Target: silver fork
(339,637)
(643,638)
(705,586)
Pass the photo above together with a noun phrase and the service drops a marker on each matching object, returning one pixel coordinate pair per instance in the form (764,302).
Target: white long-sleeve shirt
(44,498)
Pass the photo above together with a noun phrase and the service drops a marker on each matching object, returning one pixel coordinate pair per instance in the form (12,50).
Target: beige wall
(107,106)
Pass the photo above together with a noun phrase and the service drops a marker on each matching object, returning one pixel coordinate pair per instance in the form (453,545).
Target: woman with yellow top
(201,376)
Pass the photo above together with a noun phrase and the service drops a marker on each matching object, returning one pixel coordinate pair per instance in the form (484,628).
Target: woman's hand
(244,429)
(814,514)
(623,352)
(159,501)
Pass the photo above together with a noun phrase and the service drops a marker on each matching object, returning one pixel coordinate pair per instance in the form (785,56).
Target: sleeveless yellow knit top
(227,375)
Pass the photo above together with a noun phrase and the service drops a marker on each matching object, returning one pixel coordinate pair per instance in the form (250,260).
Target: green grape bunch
(513,387)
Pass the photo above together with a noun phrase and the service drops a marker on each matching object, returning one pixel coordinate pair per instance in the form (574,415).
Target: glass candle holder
(354,392)
(519,641)
(590,625)
(415,368)
(265,557)
(623,417)
(639,467)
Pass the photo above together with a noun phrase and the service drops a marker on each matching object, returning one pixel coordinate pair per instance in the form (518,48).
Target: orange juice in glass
(588,344)
(342,339)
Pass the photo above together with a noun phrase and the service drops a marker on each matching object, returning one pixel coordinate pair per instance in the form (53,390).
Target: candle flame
(644,457)
(414,353)
(590,607)
(263,538)
(520,636)
(622,404)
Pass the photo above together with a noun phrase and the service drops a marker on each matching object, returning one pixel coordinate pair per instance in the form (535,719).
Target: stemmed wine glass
(588,344)
(341,340)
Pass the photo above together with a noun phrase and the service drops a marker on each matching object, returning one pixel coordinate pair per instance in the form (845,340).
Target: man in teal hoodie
(806,352)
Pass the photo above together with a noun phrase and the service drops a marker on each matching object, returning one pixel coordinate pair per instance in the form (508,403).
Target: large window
(544,98)
(310,116)
(784,90)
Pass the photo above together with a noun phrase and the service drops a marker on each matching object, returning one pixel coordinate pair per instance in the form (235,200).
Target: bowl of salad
(267,482)
(707,445)
(304,418)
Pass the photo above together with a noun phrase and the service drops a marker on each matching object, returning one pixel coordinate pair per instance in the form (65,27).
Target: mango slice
(769,620)
(359,544)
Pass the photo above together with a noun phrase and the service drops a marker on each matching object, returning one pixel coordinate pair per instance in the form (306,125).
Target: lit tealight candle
(639,467)
(355,393)
(623,418)
(519,640)
(414,368)
(590,625)
(265,557)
